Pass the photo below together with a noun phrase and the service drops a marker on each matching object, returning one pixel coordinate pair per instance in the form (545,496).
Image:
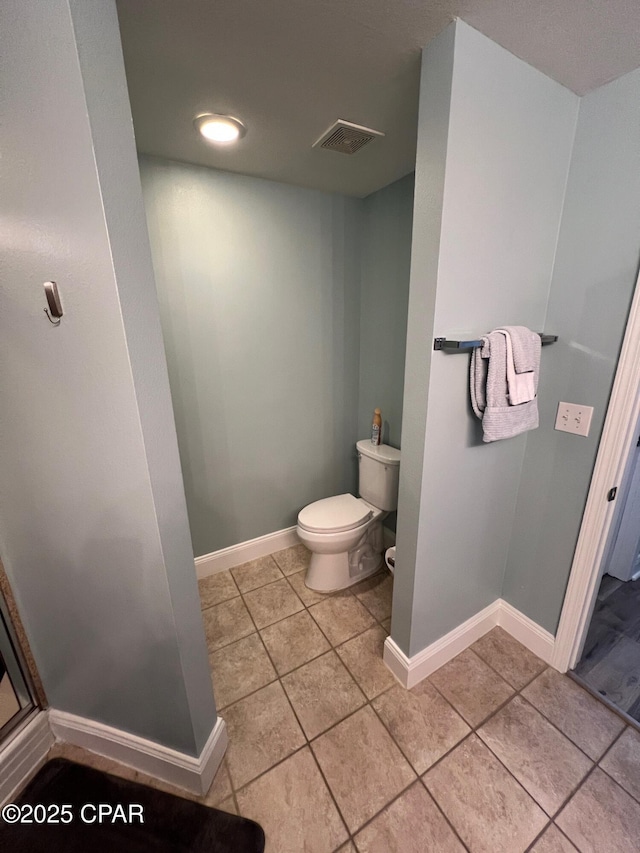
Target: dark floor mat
(170,824)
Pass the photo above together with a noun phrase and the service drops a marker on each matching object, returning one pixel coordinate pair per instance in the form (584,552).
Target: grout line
(397,796)
(573,791)
(240,788)
(279,675)
(539,836)
(545,666)
(333,799)
(616,782)
(369,702)
(473,726)
(541,711)
(307,744)
(558,729)
(441,810)
(216,603)
(517,781)
(226,645)
(333,647)
(563,834)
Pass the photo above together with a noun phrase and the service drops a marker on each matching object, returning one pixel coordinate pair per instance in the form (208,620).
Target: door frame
(616,442)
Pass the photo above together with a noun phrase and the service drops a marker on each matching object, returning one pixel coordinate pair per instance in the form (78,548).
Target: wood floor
(610,662)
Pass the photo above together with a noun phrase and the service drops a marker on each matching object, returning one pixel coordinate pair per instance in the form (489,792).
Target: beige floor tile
(411,824)
(217,588)
(272,603)
(582,718)
(490,811)
(292,560)
(545,762)
(240,668)
(386,624)
(421,722)
(308,596)
(376,594)
(347,848)
(515,663)
(225,623)
(553,841)
(322,693)
(294,641)
(471,686)
(294,807)
(341,617)
(363,658)
(220,788)
(262,731)
(256,573)
(364,768)
(227,805)
(601,817)
(623,762)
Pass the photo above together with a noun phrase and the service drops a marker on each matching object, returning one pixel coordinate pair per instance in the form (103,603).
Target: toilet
(344,533)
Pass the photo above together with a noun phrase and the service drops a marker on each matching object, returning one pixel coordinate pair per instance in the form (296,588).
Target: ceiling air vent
(346,137)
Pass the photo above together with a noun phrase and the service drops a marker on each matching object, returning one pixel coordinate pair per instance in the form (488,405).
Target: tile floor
(494,752)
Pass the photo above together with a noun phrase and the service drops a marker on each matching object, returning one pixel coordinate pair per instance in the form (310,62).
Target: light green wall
(494,146)
(93,525)
(259,288)
(593,281)
(384,296)
(259,294)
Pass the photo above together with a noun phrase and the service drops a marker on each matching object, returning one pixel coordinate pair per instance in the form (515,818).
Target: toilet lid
(332,515)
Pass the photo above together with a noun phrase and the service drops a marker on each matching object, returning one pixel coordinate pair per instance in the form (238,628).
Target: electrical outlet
(574,418)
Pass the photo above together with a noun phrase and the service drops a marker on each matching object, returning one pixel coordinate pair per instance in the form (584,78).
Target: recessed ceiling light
(221,130)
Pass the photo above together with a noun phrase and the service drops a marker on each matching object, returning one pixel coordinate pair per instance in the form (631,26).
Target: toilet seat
(334,515)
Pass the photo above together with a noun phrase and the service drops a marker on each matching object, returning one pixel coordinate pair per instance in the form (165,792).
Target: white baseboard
(526,631)
(170,765)
(235,555)
(411,670)
(24,754)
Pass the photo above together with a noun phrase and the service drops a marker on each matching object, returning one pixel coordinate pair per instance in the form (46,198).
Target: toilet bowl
(343,551)
(344,533)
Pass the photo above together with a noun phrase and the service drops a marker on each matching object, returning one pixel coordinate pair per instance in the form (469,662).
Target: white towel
(490,392)
(523,363)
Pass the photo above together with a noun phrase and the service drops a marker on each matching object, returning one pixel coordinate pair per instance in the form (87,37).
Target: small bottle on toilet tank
(376,427)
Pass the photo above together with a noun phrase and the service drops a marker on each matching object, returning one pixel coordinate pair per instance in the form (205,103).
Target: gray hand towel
(490,394)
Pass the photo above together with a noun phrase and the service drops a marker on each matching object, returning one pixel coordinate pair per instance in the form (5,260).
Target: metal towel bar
(465,346)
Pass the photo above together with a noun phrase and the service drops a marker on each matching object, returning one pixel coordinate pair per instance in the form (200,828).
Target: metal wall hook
(54,302)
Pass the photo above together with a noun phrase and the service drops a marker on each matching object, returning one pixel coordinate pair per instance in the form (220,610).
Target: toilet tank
(378,472)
